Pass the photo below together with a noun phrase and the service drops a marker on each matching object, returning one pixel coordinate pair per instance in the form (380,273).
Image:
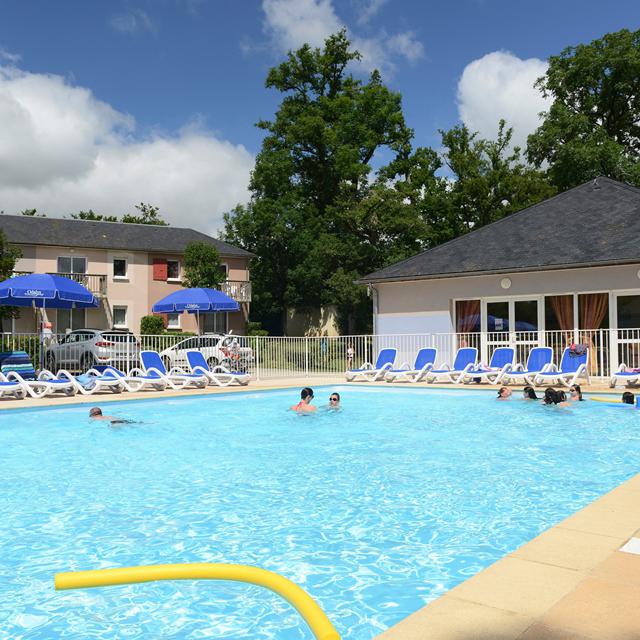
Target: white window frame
(179,278)
(59,329)
(125,277)
(174,326)
(72,258)
(121,325)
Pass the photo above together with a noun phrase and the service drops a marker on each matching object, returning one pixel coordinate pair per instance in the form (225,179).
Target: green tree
(314,220)
(148,215)
(8,256)
(32,213)
(92,215)
(202,266)
(487,181)
(593,125)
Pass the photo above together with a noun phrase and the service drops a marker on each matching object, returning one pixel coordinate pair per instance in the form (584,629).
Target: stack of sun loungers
(19,379)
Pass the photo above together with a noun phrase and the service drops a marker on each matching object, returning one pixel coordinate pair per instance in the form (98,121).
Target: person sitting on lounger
(95,413)
(628,398)
(528,393)
(575,393)
(305,406)
(504,393)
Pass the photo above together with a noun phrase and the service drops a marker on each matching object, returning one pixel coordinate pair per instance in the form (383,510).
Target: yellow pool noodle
(318,622)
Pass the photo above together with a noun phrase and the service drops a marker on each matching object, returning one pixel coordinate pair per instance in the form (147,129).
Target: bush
(255,329)
(152,325)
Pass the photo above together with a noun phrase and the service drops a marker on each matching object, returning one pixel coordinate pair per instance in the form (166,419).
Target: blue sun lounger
(153,366)
(220,375)
(465,361)
(369,372)
(425,361)
(539,361)
(572,368)
(501,361)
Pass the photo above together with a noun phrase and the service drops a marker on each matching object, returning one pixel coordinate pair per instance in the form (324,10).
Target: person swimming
(554,397)
(334,402)
(305,406)
(528,393)
(95,413)
(628,398)
(575,393)
(504,393)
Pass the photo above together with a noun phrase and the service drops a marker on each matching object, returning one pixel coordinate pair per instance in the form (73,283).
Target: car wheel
(87,361)
(212,363)
(167,362)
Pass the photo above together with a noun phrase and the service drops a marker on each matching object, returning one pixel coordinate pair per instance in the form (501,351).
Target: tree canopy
(314,220)
(593,125)
(202,267)
(8,256)
(325,210)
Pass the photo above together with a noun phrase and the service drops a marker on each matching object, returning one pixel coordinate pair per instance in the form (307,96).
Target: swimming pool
(374,511)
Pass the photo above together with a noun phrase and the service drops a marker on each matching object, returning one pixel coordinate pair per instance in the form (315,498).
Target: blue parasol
(45,292)
(196,301)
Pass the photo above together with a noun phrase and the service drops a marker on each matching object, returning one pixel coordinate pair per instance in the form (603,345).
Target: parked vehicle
(83,349)
(226,350)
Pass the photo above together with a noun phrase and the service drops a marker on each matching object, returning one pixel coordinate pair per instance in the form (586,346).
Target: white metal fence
(276,357)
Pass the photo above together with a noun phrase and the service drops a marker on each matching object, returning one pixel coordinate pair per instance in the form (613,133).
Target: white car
(226,350)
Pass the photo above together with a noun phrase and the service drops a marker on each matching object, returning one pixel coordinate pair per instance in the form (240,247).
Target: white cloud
(500,85)
(368,9)
(63,150)
(292,23)
(132,21)
(7,56)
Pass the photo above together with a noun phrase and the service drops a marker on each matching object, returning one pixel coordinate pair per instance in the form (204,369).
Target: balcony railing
(96,283)
(239,290)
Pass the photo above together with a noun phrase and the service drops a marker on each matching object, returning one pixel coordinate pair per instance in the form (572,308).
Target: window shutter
(159,269)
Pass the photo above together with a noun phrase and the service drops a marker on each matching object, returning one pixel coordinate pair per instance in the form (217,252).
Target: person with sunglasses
(305,406)
(334,402)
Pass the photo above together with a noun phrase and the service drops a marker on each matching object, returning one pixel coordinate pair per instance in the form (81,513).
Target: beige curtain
(467,318)
(593,308)
(467,315)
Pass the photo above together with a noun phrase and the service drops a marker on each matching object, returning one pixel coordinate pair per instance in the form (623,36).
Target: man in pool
(305,406)
(504,393)
(95,413)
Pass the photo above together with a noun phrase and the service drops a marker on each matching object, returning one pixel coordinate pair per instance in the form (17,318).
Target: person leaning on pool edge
(305,406)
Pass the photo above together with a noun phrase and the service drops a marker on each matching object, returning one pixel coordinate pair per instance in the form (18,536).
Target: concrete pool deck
(572,582)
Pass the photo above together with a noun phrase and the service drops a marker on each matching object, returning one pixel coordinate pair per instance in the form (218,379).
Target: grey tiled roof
(108,235)
(597,223)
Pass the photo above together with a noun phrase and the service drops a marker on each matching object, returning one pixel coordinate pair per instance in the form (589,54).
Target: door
(512,323)
(73,267)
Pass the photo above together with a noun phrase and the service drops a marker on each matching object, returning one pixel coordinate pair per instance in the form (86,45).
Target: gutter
(488,272)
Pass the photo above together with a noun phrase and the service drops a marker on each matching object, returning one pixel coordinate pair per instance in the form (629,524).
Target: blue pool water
(374,511)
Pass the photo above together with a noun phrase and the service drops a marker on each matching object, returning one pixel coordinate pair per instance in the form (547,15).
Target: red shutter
(160,271)
(165,319)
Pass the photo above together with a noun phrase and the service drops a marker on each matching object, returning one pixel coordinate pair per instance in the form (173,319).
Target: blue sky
(153,91)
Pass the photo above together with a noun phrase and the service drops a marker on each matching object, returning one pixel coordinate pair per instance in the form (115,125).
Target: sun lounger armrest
(220,369)
(45,374)
(177,371)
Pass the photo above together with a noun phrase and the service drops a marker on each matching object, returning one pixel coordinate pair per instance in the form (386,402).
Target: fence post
(306,356)
(258,358)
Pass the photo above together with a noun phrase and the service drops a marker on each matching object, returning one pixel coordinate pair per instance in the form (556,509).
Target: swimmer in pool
(528,393)
(95,413)
(334,402)
(305,406)
(504,393)
(628,398)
